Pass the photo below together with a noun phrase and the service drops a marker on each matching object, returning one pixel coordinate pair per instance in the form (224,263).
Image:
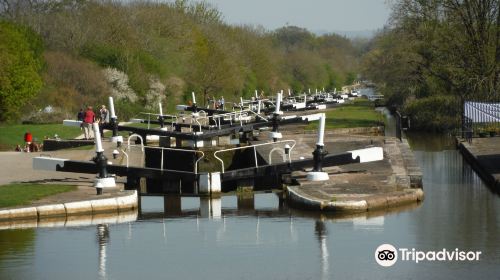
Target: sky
(315,15)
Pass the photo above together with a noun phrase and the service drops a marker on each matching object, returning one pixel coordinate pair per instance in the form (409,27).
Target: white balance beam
(47,163)
(72,123)
(368,154)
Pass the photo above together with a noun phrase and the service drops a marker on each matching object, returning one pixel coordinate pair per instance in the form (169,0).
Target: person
(88,120)
(28,138)
(80,115)
(18,148)
(222,102)
(34,147)
(104,119)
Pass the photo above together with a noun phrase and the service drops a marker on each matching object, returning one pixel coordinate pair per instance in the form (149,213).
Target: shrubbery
(435,113)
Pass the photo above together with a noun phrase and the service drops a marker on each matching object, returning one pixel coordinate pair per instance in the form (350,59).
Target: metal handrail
(254,151)
(181,150)
(126,155)
(277,149)
(138,136)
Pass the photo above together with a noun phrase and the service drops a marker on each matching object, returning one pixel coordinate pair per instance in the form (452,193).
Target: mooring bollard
(114,124)
(103,180)
(319,153)
(275,134)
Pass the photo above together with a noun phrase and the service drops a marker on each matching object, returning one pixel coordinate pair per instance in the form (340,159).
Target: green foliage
(128,110)
(22,194)
(350,78)
(104,55)
(434,113)
(71,83)
(436,48)
(184,45)
(20,64)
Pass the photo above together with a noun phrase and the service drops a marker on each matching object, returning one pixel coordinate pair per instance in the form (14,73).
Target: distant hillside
(146,52)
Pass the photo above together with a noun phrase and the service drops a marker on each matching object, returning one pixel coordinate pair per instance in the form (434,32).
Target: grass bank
(359,113)
(22,194)
(14,134)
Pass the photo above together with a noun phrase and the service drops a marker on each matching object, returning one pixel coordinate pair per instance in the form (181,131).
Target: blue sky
(315,15)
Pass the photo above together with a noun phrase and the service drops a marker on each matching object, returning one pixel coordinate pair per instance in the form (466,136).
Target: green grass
(360,113)
(22,194)
(11,135)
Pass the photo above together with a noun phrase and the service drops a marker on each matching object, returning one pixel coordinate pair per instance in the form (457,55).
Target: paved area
(363,186)
(16,167)
(484,156)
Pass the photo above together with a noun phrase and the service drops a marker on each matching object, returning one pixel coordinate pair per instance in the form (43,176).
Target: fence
(480,119)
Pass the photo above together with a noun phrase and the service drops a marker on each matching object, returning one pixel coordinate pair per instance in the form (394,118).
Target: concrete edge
(106,205)
(476,166)
(412,168)
(362,205)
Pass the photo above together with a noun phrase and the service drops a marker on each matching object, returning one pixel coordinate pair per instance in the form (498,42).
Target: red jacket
(89,116)
(28,137)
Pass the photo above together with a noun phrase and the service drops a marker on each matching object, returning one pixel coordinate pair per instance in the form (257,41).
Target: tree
(433,48)
(20,64)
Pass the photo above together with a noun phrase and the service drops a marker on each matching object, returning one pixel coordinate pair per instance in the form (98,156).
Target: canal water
(261,238)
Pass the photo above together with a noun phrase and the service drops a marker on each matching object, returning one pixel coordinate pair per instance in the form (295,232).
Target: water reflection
(71,221)
(260,237)
(102,241)
(14,246)
(321,234)
(269,205)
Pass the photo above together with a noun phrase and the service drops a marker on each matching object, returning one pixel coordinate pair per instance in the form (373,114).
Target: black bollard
(102,167)
(318,155)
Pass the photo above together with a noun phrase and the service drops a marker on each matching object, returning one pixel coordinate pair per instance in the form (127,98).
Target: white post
(97,134)
(289,92)
(161,110)
(309,91)
(278,103)
(258,107)
(321,130)
(241,102)
(317,174)
(112,108)
(118,139)
(335,91)
(256,95)
(194,97)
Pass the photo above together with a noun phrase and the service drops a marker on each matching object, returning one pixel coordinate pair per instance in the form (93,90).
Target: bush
(20,66)
(434,113)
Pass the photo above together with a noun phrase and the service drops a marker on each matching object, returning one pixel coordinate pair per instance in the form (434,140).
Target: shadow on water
(430,142)
(270,205)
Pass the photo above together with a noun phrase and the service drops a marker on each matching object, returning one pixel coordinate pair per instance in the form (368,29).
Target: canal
(261,238)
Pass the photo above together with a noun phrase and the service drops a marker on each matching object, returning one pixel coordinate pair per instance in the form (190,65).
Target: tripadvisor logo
(387,255)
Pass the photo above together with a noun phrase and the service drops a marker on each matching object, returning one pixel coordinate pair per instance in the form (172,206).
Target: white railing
(204,119)
(254,147)
(162,152)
